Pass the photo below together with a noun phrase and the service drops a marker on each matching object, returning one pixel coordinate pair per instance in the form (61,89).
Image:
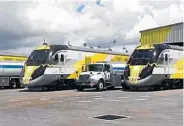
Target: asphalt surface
(72,108)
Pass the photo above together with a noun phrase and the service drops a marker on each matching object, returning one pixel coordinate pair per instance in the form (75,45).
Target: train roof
(76,48)
(176,47)
(168,46)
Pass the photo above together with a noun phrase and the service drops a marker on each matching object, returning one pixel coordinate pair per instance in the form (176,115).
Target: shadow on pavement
(94,90)
(148,90)
(44,90)
(9,88)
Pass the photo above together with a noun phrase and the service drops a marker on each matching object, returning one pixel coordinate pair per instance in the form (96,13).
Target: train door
(60,58)
(166,63)
(61,63)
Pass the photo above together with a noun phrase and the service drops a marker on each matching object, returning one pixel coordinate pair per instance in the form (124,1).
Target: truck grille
(84,77)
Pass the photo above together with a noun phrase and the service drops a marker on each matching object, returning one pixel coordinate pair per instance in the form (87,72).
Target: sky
(25,24)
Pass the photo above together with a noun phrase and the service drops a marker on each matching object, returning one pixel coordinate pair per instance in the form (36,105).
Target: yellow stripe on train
(28,72)
(134,73)
(12,58)
(179,74)
(43,47)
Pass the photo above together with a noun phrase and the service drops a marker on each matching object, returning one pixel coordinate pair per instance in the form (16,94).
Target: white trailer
(10,70)
(101,75)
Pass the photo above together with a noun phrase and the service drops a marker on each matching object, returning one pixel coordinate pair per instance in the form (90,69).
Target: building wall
(165,34)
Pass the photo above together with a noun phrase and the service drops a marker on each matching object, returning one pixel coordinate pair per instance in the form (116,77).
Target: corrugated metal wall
(165,34)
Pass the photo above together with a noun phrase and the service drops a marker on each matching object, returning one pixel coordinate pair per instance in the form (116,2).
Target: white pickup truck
(101,75)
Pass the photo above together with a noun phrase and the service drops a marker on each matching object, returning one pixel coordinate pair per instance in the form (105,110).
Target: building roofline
(180,23)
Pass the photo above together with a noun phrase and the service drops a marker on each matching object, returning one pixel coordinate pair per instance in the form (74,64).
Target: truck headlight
(92,80)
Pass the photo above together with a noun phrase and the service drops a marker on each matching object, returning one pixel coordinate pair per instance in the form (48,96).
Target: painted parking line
(15,100)
(123,97)
(84,101)
(144,96)
(113,100)
(26,102)
(44,99)
(141,99)
(55,101)
(98,98)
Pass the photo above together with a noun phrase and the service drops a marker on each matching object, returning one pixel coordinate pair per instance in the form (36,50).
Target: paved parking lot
(72,108)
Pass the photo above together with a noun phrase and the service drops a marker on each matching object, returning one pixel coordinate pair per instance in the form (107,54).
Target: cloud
(146,22)
(24,24)
(80,7)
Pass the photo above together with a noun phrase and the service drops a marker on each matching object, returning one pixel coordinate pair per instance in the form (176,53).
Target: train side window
(160,59)
(56,58)
(62,58)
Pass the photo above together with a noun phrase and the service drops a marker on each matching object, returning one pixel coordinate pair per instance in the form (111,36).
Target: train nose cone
(29,70)
(134,73)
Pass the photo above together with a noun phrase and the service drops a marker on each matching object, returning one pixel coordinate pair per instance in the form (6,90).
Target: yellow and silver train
(155,66)
(60,65)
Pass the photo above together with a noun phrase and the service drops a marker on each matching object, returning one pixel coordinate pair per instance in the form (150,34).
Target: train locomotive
(155,66)
(59,66)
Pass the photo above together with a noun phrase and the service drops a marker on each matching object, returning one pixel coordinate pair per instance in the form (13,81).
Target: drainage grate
(110,117)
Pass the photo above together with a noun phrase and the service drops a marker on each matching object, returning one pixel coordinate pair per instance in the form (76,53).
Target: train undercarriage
(166,84)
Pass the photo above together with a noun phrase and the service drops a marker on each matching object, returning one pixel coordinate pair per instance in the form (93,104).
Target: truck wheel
(100,86)
(13,83)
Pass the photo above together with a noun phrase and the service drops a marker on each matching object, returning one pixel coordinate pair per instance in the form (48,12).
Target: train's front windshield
(38,57)
(142,57)
(95,67)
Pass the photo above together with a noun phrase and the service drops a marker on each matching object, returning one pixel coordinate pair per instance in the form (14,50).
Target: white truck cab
(101,75)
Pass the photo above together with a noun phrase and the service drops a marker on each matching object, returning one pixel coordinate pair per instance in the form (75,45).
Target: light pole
(90,45)
(69,43)
(125,49)
(84,44)
(113,42)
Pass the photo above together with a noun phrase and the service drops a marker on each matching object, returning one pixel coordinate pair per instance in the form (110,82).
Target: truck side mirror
(76,73)
(166,57)
(83,68)
(56,57)
(62,58)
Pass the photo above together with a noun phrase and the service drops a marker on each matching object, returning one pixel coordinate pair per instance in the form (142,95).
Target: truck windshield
(142,57)
(38,57)
(95,67)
